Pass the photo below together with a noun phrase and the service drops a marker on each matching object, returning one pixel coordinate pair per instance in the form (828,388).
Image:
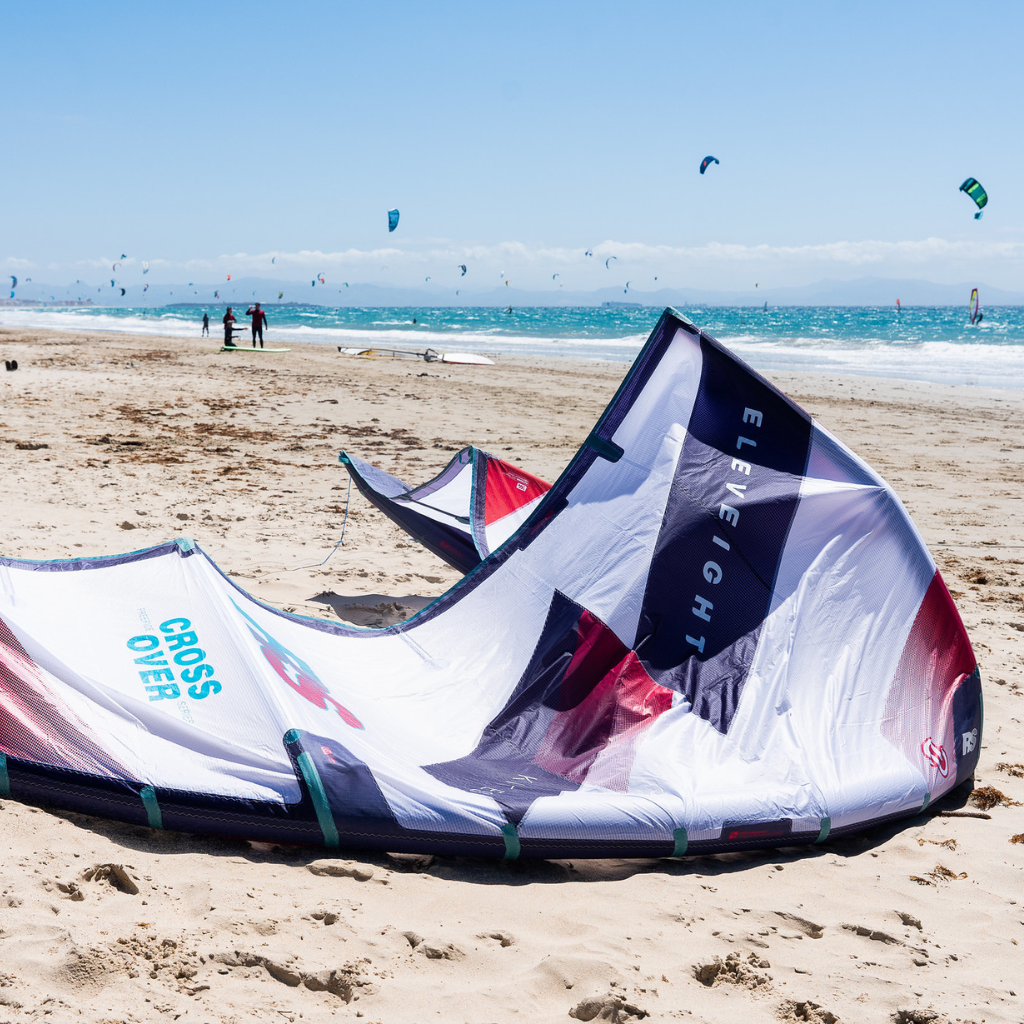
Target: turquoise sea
(917,343)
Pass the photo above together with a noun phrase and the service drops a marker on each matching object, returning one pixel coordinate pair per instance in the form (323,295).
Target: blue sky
(205,138)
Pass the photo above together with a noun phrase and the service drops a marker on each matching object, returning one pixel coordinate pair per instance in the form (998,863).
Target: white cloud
(715,264)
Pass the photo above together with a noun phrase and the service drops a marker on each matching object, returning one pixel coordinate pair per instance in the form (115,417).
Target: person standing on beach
(229,322)
(259,319)
(206,325)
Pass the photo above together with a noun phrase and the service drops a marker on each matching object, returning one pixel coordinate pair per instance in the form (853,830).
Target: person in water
(206,325)
(259,319)
(229,323)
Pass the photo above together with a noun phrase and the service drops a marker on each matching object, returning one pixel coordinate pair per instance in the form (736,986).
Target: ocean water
(918,343)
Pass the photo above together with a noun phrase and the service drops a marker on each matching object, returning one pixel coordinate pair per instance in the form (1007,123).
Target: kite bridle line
(341,542)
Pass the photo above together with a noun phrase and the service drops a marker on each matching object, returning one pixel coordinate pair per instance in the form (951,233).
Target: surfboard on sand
(246,348)
(430,355)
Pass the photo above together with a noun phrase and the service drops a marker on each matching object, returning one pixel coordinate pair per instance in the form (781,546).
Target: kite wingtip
(672,311)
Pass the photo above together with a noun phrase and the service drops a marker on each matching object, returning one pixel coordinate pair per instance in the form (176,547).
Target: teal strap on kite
(927,801)
(606,449)
(826,827)
(5,779)
(318,795)
(512,845)
(186,545)
(681,842)
(156,819)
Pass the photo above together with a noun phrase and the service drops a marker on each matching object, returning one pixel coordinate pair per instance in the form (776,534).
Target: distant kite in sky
(114,268)
(14,281)
(320,278)
(589,252)
(607,261)
(122,293)
(392,220)
(462,267)
(707,162)
(145,267)
(273,259)
(145,288)
(229,277)
(124,256)
(216,295)
(280,295)
(973,188)
(111,284)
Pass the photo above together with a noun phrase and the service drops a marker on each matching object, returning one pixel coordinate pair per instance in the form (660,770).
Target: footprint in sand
(440,950)
(809,928)
(116,874)
(611,1007)
(734,970)
(792,1010)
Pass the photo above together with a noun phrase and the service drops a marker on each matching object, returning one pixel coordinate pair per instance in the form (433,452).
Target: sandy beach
(115,442)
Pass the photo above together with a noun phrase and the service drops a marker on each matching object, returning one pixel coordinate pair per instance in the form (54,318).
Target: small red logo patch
(935,754)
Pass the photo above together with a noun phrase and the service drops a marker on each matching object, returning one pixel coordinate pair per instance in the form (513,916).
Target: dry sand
(113,443)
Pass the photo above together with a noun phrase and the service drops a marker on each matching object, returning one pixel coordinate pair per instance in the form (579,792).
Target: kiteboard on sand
(430,355)
(246,348)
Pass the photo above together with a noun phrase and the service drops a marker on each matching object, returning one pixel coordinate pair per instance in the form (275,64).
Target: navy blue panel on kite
(706,162)
(718,630)
(392,220)
(445,533)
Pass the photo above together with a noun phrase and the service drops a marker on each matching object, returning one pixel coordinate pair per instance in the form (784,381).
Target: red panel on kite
(508,489)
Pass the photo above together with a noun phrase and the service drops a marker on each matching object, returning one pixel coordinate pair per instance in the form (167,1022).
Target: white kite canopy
(718,630)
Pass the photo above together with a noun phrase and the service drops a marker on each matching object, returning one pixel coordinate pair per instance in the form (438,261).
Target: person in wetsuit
(229,322)
(259,319)
(206,325)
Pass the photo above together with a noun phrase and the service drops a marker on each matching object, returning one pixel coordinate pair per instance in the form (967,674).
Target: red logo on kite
(935,754)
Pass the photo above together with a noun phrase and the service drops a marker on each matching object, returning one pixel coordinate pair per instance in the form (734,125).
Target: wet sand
(114,442)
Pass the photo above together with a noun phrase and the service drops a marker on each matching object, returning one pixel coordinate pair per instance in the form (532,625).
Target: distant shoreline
(520,307)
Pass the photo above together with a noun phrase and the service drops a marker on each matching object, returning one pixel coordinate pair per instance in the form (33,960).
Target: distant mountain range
(864,291)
